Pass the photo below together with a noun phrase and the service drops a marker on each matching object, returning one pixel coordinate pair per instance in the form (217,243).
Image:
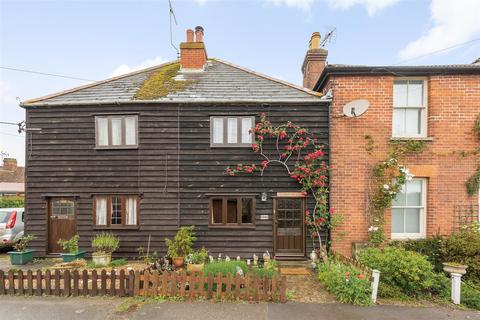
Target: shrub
(182,243)
(197,257)
(407,270)
(261,272)
(11,202)
(429,247)
(464,247)
(225,267)
(105,243)
(71,245)
(22,244)
(470,296)
(347,283)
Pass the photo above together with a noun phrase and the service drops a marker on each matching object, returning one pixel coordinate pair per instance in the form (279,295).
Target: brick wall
(453,104)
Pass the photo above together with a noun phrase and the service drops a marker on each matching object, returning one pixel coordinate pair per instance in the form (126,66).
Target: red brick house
(435,104)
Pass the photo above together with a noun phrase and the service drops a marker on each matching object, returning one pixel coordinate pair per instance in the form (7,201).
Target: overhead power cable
(45,73)
(437,51)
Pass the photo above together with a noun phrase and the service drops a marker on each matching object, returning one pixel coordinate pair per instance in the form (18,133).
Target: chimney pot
(199,33)
(189,35)
(314,41)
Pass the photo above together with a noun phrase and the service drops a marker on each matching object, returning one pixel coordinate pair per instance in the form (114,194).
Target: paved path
(53,308)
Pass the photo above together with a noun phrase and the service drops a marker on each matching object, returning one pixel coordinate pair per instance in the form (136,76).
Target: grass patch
(118,262)
(161,83)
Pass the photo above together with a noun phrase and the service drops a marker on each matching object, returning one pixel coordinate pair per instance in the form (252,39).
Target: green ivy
(476,126)
(388,178)
(473,182)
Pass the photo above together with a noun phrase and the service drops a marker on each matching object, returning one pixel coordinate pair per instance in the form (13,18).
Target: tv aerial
(329,37)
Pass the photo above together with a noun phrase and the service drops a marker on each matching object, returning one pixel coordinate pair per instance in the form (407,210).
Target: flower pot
(195,267)
(454,268)
(69,257)
(21,257)
(178,262)
(101,259)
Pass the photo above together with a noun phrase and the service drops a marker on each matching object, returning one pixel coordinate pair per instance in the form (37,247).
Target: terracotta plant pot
(101,259)
(194,267)
(178,262)
(454,268)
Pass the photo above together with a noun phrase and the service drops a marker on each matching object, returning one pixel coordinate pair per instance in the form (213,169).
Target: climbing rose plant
(296,149)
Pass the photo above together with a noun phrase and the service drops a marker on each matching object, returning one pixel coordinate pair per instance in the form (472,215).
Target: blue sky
(96,39)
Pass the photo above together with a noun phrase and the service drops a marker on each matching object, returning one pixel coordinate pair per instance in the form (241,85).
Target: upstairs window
(232,211)
(116,211)
(409,108)
(231,131)
(116,131)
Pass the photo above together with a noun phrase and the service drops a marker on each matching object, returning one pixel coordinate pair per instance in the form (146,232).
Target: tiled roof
(221,82)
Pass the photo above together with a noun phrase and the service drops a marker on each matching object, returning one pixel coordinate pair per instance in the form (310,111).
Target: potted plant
(196,260)
(72,252)
(453,267)
(22,255)
(181,245)
(104,245)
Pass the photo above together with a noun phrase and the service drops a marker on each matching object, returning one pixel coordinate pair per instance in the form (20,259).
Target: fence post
(376,279)
(456,287)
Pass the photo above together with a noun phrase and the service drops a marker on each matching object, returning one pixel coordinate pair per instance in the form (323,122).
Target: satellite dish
(356,108)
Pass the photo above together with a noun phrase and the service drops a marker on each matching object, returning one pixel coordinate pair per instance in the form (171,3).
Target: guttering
(173,101)
(399,71)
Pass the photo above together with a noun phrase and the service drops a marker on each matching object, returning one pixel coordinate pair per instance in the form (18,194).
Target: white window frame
(423,216)
(424,108)
(123,132)
(239,140)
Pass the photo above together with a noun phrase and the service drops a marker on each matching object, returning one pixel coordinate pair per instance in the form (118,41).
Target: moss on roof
(161,83)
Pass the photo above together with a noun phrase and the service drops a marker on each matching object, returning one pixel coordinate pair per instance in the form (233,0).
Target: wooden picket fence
(124,284)
(248,288)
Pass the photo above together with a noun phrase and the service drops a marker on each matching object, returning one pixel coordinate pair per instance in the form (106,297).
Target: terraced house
(144,153)
(424,118)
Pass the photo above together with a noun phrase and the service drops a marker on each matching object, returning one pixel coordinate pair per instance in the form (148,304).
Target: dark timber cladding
(173,166)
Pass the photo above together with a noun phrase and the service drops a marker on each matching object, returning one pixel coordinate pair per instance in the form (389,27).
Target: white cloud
(124,68)
(300,4)
(372,6)
(453,23)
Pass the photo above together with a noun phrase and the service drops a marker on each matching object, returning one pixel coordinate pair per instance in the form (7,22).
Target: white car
(11,226)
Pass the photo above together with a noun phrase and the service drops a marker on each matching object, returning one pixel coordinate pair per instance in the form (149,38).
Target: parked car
(11,226)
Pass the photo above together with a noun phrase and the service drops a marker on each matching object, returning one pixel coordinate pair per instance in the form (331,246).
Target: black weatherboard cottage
(144,153)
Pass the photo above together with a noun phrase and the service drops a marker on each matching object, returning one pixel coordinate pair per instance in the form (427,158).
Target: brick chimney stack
(193,55)
(314,62)
(9,164)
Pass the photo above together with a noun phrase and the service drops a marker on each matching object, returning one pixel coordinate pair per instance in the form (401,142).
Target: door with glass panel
(289,229)
(61,222)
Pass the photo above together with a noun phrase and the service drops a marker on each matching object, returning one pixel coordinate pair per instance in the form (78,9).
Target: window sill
(406,237)
(249,145)
(116,228)
(116,148)
(411,138)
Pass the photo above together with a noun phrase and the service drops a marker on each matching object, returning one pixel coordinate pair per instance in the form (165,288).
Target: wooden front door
(289,227)
(61,222)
